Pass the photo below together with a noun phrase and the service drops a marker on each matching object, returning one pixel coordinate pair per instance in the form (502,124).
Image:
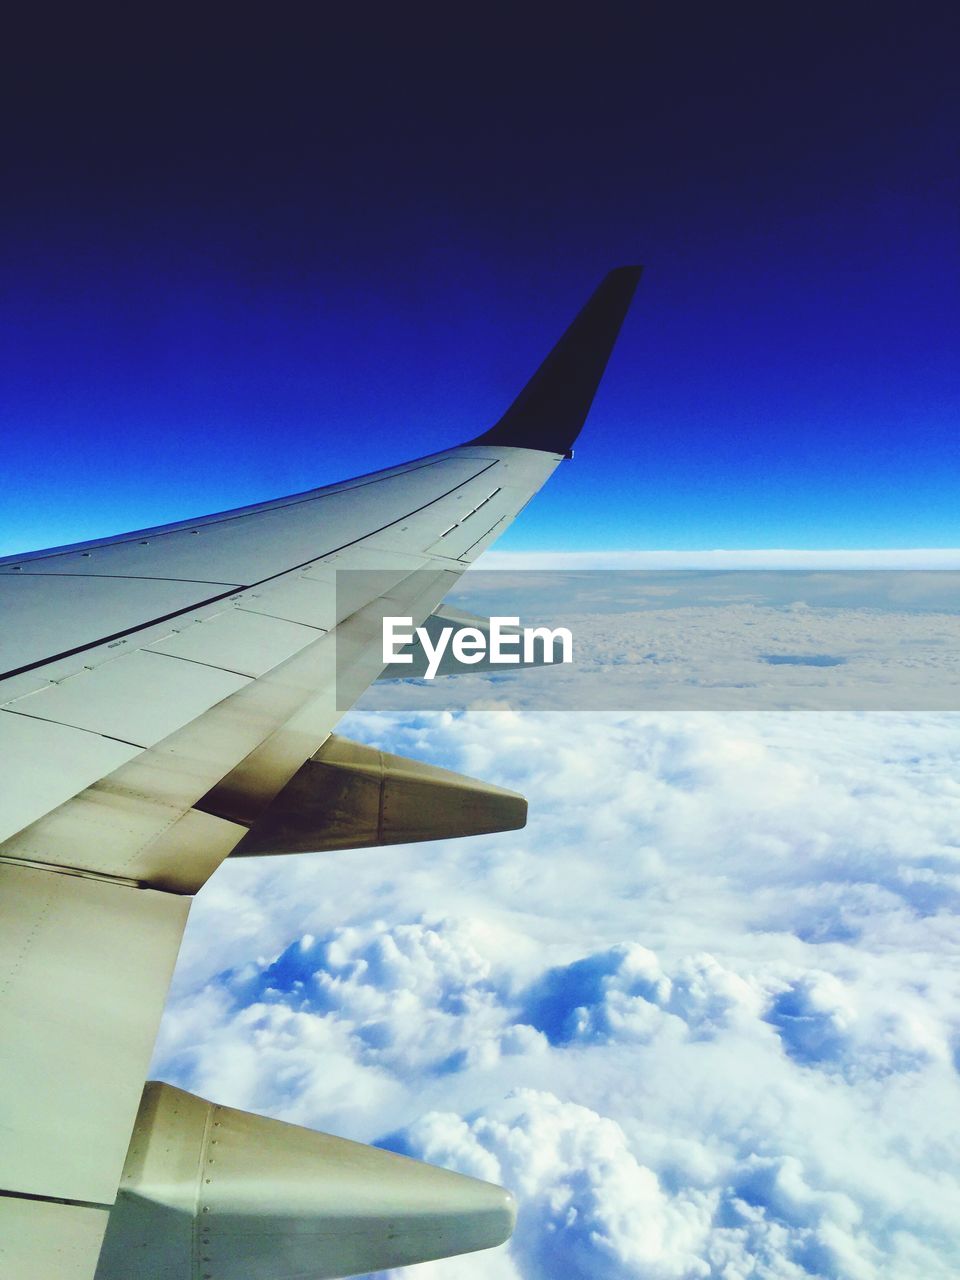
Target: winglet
(550,410)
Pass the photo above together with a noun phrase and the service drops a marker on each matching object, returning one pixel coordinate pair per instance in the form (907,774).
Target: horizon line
(903,558)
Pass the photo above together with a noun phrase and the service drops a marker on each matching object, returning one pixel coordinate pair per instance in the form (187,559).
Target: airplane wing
(167,700)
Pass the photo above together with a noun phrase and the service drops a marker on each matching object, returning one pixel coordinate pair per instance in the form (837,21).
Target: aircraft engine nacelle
(211,1193)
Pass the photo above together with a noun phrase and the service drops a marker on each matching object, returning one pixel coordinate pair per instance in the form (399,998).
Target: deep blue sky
(240,261)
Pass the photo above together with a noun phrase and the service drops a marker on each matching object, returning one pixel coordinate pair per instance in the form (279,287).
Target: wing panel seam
(57,868)
(74,1204)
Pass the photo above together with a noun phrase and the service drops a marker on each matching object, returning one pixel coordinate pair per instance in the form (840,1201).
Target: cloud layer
(701,1014)
(731,641)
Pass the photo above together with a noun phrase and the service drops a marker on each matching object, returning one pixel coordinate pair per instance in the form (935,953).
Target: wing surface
(158,690)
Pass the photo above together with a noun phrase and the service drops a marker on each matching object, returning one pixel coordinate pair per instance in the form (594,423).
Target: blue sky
(248,264)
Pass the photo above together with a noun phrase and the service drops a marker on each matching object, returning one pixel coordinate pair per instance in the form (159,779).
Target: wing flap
(138,698)
(42,1238)
(247,747)
(45,764)
(45,614)
(85,964)
(239,640)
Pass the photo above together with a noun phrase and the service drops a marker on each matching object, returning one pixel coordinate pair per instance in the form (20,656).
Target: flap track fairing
(351,796)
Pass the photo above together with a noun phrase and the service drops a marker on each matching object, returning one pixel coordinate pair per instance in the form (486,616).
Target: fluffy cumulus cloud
(701,1014)
(591,1208)
(622,994)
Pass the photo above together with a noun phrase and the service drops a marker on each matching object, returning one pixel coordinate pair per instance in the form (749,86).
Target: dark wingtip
(551,409)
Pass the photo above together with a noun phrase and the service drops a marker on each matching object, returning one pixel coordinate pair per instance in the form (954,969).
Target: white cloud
(701,1014)
(589,1207)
